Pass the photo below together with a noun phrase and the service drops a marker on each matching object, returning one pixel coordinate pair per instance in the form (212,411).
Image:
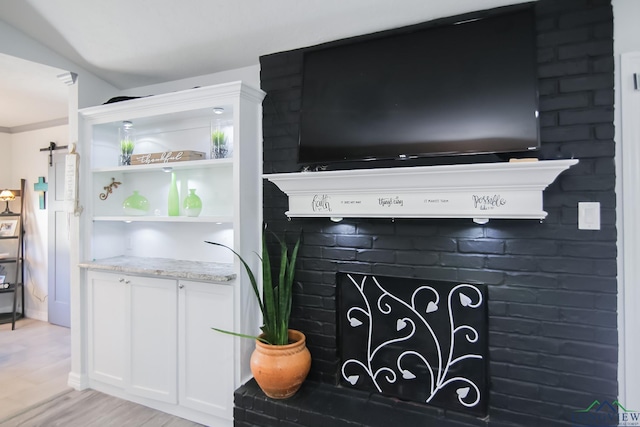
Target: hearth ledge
(478,191)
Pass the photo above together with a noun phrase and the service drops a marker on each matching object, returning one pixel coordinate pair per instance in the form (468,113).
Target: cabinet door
(152,339)
(106,295)
(206,356)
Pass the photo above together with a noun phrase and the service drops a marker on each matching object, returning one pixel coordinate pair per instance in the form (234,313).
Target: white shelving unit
(113,292)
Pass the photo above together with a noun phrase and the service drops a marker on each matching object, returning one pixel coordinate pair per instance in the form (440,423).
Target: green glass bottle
(174,198)
(192,204)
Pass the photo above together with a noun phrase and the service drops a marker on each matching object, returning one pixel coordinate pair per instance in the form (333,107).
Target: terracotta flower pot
(280,370)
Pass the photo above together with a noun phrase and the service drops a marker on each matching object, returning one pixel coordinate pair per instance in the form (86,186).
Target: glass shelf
(191,164)
(185,219)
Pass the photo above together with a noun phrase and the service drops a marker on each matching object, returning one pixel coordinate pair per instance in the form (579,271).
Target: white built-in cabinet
(150,287)
(150,348)
(107,329)
(200,353)
(160,345)
(139,351)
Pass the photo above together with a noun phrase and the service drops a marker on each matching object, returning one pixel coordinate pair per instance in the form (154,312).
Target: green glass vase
(174,199)
(192,204)
(136,204)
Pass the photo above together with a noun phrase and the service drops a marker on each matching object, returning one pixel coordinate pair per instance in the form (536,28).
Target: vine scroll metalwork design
(417,340)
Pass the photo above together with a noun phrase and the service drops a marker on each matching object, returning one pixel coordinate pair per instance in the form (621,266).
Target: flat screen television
(466,87)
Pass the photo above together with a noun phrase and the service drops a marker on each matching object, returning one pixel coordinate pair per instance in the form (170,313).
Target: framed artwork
(8,227)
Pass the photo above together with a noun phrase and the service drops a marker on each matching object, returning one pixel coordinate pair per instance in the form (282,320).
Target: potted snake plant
(281,360)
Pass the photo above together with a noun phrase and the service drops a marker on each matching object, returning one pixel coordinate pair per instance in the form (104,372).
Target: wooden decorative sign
(166,157)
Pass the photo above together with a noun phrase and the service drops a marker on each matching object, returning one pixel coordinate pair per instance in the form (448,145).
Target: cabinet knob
(127,282)
(180,286)
(121,280)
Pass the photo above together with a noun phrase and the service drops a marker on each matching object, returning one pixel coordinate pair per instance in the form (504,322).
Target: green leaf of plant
(252,279)
(289,280)
(275,303)
(237,334)
(269,314)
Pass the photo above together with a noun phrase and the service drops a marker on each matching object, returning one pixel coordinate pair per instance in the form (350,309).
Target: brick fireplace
(551,288)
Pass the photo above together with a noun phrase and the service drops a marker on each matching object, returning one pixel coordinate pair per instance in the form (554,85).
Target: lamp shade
(7,196)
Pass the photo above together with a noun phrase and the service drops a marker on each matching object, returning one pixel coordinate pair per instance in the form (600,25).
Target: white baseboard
(37,315)
(77,381)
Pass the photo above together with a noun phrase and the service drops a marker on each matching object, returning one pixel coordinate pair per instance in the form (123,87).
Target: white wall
(626,30)
(626,39)
(15,43)
(28,162)
(6,181)
(5,167)
(249,75)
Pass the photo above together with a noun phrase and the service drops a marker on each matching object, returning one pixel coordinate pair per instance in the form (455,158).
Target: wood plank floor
(91,408)
(35,361)
(34,364)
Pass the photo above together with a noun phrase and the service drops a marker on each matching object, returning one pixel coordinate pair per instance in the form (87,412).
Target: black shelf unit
(17,284)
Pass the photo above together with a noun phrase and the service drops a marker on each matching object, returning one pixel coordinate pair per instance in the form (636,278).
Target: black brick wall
(552,287)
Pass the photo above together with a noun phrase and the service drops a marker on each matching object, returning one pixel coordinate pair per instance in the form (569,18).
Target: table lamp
(7,196)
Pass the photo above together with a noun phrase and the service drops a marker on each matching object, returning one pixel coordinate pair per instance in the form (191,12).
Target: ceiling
(132,43)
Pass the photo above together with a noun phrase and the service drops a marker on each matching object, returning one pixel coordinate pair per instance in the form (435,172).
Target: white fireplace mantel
(478,191)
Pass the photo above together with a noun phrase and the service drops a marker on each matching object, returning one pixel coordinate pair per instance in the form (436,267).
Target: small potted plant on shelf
(126,149)
(127,142)
(281,360)
(218,144)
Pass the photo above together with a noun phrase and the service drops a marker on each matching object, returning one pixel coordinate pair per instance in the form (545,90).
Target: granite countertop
(165,267)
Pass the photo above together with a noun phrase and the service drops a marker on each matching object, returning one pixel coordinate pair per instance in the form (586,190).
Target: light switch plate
(589,215)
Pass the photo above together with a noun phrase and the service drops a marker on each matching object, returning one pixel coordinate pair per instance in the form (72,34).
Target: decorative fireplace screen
(418,340)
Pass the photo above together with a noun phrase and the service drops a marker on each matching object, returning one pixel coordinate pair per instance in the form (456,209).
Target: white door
(152,310)
(58,252)
(206,356)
